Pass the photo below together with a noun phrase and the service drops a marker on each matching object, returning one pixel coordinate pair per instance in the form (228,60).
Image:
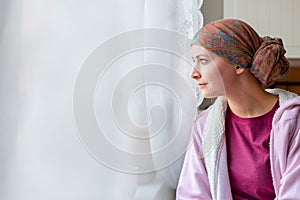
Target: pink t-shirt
(249,156)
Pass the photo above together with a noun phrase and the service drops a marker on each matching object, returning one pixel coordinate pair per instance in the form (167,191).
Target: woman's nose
(195,74)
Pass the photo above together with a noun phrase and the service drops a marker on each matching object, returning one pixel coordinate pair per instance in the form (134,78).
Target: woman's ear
(238,69)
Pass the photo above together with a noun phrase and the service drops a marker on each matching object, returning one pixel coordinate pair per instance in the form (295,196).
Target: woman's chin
(210,94)
(206,93)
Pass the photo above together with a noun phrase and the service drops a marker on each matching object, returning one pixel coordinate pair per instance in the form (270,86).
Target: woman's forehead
(199,50)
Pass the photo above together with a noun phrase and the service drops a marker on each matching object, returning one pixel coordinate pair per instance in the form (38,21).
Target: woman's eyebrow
(200,55)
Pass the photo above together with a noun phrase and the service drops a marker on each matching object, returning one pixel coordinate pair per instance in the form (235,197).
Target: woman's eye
(202,61)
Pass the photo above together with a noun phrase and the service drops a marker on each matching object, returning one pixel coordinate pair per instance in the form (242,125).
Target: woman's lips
(202,84)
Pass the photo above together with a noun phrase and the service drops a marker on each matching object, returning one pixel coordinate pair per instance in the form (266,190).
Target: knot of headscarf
(269,62)
(239,44)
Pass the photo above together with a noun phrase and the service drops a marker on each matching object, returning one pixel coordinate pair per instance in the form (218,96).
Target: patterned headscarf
(239,44)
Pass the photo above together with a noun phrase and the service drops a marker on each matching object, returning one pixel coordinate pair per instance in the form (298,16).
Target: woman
(246,145)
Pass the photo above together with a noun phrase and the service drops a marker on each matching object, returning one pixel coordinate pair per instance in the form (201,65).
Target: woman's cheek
(215,81)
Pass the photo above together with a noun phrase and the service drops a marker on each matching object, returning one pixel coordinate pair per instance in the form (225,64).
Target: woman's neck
(251,102)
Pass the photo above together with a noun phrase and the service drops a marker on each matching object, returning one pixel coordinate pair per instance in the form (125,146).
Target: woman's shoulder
(212,113)
(289,110)
(201,118)
(289,105)
(283,95)
(287,117)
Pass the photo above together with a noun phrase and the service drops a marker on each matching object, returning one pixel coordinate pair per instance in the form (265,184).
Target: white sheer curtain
(43,46)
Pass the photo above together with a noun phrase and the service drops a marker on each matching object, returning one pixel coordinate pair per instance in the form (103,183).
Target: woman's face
(213,74)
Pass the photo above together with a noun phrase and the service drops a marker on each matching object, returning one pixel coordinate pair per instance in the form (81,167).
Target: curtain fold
(44,46)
